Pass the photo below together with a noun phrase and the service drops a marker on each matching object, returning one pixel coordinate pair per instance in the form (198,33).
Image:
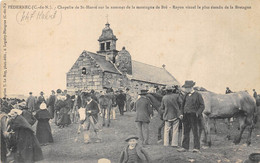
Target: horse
(219,106)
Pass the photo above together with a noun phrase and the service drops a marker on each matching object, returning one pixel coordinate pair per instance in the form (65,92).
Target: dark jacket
(255,95)
(143,109)
(142,154)
(51,100)
(193,103)
(93,108)
(171,106)
(26,146)
(120,99)
(29,117)
(77,101)
(228,91)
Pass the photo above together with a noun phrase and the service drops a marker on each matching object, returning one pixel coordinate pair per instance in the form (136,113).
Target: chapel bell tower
(107,43)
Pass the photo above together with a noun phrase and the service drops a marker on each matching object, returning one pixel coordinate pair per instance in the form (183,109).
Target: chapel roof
(141,71)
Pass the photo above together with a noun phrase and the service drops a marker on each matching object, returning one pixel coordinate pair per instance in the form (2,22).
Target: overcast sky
(215,48)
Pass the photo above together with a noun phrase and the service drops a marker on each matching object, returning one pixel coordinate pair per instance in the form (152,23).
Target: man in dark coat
(144,112)
(120,100)
(30,102)
(171,109)
(26,146)
(51,103)
(76,105)
(228,90)
(255,94)
(192,108)
(93,95)
(92,111)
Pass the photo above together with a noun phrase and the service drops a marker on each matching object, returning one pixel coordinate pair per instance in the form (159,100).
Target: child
(133,153)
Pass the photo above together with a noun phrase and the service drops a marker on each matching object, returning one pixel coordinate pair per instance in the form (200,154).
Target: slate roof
(152,74)
(140,71)
(103,63)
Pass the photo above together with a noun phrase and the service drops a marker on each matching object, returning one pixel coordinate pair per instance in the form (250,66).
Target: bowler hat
(131,137)
(41,92)
(30,93)
(188,84)
(143,92)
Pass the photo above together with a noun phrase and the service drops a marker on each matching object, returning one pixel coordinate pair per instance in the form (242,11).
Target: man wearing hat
(171,110)
(192,108)
(228,90)
(92,111)
(30,102)
(133,152)
(51,103)
(144,112)
(120,100)
(128,100)
(255,94)
(76,105)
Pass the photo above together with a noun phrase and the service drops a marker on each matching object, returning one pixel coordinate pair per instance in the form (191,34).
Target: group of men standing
(175,109)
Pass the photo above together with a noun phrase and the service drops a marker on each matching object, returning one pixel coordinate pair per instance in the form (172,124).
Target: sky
(215,48)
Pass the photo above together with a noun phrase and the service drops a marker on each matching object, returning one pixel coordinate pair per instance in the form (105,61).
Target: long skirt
(27,149)
(43,132)
(64,117)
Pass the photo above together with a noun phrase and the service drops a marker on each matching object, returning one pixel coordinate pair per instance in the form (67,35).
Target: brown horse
(219,106)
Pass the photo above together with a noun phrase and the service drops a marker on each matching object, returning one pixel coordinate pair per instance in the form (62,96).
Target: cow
(219,106)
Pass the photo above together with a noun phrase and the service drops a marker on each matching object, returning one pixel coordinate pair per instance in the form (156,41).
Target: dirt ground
(69,146)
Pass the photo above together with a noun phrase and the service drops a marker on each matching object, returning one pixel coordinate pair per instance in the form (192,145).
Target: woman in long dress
(26,147)
(43,128)
(63,107)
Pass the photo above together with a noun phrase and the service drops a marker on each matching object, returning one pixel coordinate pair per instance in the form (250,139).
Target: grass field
(69,146)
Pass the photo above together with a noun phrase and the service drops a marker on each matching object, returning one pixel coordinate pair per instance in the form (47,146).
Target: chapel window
(83,71)
(102,46)
(108,45)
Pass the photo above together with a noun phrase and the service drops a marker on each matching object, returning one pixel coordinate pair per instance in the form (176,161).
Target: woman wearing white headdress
(43,128)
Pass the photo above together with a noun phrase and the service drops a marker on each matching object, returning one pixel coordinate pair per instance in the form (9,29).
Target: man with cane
(92,111)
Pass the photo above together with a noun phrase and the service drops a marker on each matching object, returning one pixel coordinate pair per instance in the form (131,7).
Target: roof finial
(107,24)
(163,65)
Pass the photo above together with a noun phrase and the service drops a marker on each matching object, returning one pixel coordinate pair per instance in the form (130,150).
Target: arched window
(84,71)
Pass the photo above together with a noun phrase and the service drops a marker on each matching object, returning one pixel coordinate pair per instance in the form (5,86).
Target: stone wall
(116,81)
(91,80)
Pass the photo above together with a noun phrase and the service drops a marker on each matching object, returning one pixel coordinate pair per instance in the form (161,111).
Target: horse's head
(155,99)
(83,97)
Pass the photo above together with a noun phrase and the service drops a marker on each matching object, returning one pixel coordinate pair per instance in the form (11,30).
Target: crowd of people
(180,110)
(18,117)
